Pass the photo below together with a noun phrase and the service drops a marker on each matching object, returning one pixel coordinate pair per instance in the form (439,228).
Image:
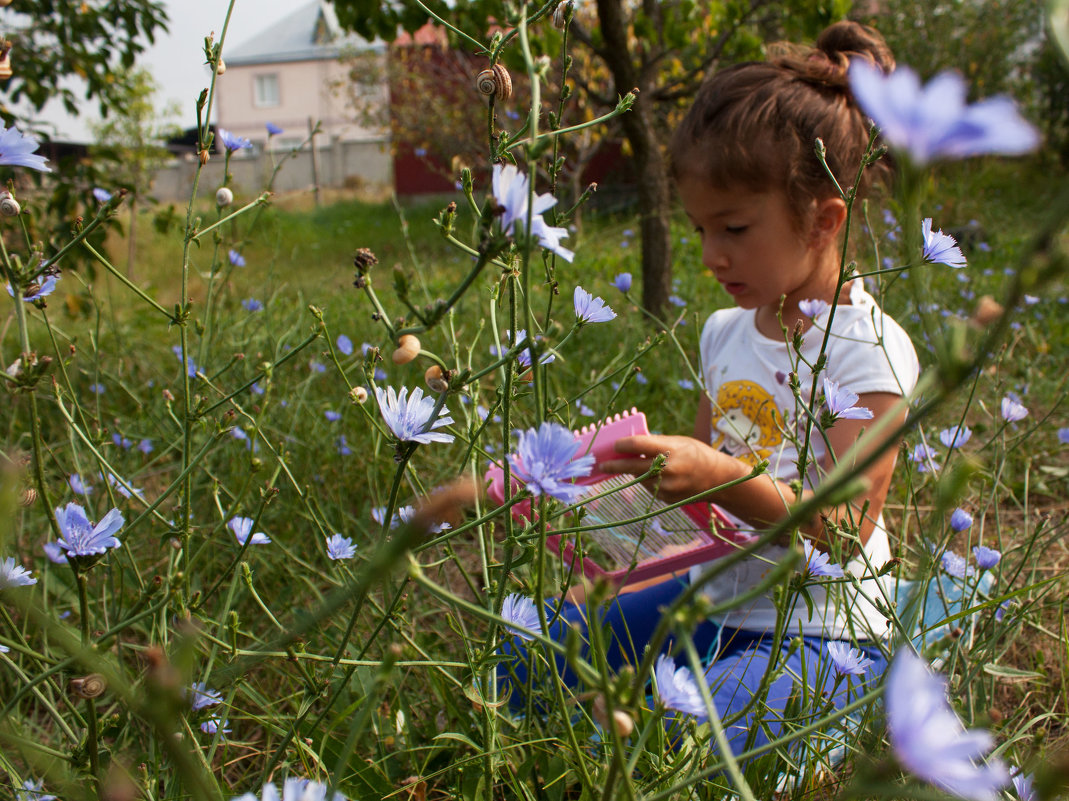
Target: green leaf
(1011,674)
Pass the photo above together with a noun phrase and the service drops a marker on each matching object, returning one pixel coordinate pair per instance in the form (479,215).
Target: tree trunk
(650,163)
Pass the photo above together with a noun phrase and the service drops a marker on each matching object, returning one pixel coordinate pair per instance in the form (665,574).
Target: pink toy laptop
(627,552)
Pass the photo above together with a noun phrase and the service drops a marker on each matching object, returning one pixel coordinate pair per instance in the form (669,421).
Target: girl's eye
(736,229)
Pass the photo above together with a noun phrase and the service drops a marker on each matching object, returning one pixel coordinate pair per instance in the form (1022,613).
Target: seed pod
(436,379)
(407,349)
(358,395)
(9,207)
(495,82)
(91,686)
(220,68)
(223,197)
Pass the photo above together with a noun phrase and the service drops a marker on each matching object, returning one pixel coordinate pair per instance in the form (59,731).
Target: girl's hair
(753,126)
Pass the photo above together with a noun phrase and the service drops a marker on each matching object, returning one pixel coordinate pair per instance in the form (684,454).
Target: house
(297,73)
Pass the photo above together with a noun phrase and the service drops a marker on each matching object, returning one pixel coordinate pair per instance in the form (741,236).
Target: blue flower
(102,195)
(677,688)
(813,307)
(252,305)
(547,458)
(293,789)
(272,129)
(524,356)
(145,446)
(956,566)
(191,366)
(214,725)
(339,547)
(840,403)
(818,563)
(342,446)
(1063,436)
(955,437)
(846,660)
(409,416)
(622,282)
(933,122)
(521,616)
(119,488)
(686,383)
(256,389)
(79,487)
(924,457)
(332,415)
(33,790)
(1012,411)
(960,520)
(940,248)
(929,739)
(230,142)
(511,190)
(1022,785)
(35,291)
(986,558)
(344,345)
(242,527)
(201,696)
(16,150)
(55,553)
(675,300)
(378,375)
(121,441)
(589,309)
(641,379)
(317,367)
(14,575)
(79,537)
(235,258)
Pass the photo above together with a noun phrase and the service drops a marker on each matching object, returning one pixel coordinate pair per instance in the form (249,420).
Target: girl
(771,224)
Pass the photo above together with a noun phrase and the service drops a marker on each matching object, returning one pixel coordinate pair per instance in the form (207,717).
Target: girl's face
(751,242)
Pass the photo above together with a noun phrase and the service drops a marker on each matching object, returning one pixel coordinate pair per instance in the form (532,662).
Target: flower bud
(358,395)
(223,197)
(407,349)
(436,380)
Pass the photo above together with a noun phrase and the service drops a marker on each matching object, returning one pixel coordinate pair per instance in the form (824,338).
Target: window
(265,90)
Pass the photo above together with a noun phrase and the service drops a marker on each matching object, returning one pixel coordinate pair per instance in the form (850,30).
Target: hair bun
(845,40)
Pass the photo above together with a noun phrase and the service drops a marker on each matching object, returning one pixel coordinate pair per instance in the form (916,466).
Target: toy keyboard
(622,551)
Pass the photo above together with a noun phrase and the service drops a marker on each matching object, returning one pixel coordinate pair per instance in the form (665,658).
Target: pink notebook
(626,552)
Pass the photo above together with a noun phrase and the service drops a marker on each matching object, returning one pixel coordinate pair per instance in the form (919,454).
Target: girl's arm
(693,466)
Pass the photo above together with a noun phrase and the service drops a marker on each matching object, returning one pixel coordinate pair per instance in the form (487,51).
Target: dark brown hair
(753,126)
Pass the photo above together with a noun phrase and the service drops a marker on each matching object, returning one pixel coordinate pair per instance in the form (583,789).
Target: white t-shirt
(746,377)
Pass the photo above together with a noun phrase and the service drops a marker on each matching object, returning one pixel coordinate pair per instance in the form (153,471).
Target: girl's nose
(712,256)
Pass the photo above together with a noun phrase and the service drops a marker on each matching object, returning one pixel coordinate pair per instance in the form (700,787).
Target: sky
(176,60)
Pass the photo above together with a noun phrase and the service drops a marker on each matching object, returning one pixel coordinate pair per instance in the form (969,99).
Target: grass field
(378,679)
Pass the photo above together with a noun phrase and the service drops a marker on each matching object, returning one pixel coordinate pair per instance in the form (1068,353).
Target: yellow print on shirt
(748,425)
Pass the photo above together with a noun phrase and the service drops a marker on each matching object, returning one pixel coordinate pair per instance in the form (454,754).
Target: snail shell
(9,207)
(435,379)
(407,349)
(223,197)
(28,497)
(5,67)
(91,686)
(495,82)
(221,68)
(359,395)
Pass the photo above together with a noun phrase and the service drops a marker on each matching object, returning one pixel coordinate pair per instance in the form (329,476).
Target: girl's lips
(734,288)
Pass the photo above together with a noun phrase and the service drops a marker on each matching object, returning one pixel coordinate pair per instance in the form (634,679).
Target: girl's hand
(690,467)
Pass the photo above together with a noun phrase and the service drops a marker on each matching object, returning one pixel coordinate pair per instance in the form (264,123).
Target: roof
(310,33)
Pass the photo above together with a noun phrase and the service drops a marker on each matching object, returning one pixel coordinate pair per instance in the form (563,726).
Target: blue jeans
(735,662)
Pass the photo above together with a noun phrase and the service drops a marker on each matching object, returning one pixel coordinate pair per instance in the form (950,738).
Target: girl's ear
(828,219)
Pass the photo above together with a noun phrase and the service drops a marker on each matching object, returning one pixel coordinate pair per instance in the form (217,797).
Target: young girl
(771,225)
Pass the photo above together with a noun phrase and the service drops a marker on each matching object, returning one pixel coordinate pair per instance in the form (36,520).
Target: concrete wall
(340,163)
(307,90)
